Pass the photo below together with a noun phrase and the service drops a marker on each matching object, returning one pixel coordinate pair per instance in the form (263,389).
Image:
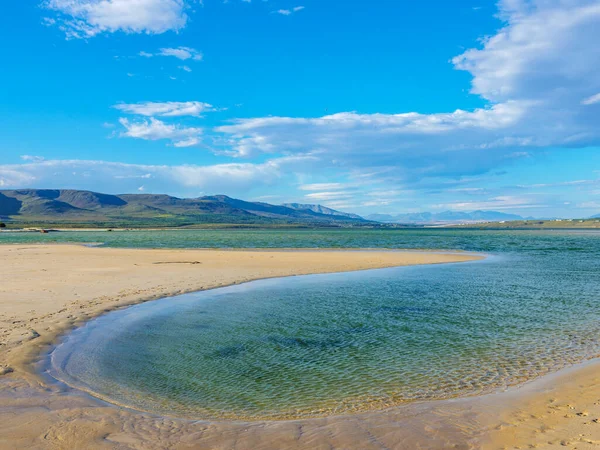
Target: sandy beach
(48,289)
(558,411)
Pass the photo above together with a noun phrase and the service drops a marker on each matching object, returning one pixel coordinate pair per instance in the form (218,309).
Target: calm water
(322,344)
(472,240)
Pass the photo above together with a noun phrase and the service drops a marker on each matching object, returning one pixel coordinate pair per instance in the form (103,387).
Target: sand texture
(555,412)
(45,290)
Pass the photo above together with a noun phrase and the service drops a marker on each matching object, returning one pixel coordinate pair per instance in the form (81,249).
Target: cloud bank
(186,179)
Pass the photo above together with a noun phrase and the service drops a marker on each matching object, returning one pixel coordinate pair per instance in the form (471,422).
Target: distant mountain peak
(320,209)
(445,217)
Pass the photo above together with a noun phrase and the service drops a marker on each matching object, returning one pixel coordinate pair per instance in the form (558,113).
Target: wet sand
(558,411)
(46,290)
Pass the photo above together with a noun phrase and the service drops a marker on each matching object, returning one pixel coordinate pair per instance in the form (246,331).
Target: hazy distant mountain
(446,217)
(320,210)
(73,206)
(597,216)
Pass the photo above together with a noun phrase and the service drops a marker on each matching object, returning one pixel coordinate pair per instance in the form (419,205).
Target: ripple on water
(316,345)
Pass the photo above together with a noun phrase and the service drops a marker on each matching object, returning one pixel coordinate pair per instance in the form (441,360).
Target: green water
(337,343)
(472,240)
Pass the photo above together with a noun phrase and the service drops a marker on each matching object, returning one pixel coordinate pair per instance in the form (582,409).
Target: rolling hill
(56,206)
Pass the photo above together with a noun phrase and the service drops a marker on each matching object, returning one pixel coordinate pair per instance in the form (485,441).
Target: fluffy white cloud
(165,109)
(397,145)
(154,130)
(538,74)
(547,52)
(87,18)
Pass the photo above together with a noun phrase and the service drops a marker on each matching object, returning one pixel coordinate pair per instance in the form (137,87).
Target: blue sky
(370,107)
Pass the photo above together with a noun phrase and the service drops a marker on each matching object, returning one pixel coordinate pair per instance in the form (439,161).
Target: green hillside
(53,207)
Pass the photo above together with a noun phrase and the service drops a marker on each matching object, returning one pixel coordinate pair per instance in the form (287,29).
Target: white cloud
(32,158)
(154,130)
(88,18)
(560,184)
(589,205)
(496,203)
(189,142)
(11,176)
(233,179)
(321,186)
(182,53)
(382,142)
(289,12)
(165,109)
(185,68)
(534,73)
(591,100)
(329,196)
(544,53)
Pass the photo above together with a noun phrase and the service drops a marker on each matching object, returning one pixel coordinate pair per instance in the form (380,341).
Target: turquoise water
(337,343)
(472,240)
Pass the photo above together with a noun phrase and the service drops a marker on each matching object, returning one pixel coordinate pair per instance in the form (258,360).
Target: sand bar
(46,290)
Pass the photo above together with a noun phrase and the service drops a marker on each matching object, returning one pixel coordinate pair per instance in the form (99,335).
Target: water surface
(337,343)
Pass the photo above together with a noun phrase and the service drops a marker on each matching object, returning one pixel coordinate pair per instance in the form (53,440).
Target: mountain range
(67,206)
(321,210)
(446,217)
(74,206)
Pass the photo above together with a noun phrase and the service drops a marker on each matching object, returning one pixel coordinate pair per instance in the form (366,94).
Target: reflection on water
(316,345)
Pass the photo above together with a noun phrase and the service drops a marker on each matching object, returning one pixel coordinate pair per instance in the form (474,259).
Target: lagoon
(339,343)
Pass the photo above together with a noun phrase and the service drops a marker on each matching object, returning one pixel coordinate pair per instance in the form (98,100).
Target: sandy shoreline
(47,289)
(557,411)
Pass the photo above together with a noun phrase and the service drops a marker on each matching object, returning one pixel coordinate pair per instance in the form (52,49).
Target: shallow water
(336,343)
